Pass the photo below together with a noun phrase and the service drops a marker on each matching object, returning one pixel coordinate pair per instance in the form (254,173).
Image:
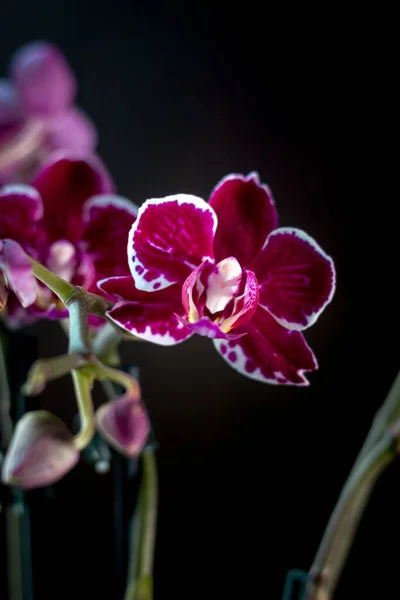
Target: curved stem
(44,370)
(342,526)
(388,413)
(101,372)
(140,584)
(82,384)
(60,287)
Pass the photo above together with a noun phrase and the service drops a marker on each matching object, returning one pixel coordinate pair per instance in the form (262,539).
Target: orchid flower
(224,270)
(37,112)
(70,220)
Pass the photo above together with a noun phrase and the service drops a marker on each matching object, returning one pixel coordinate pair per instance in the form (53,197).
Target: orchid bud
(17,269)
(124,423)
(40,453)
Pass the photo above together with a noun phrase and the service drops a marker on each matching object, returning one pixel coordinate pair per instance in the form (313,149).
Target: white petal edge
(106,200)
(253,175)
(239,366)
(161,282)
(24,190)
(302,235)
(148,336)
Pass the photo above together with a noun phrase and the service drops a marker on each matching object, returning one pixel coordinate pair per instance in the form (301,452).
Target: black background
(249,473)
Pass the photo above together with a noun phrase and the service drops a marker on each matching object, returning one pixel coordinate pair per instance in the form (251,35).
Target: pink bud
(124,423)
(41,451)
(18,271)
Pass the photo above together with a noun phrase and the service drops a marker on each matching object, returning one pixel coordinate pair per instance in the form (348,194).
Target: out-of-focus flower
(124,424)
(70,221)
(16,274)
(37,112)
(41,451)
(224,270)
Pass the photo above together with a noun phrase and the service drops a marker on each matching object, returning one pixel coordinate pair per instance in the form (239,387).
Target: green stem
(140,580)
(82,384)
(45,370)
(5,416)
(14,517)
(105,343)
(78,325)
(342,526)
(59,286)
(388,414)
(128,382)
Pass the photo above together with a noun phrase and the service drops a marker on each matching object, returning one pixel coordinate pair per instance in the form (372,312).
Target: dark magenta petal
(20,208)
(40,453)
(15,264)
(108,220)
(124,423)
(122,289)
(18,317)
(246,215)
(269,352)
(44,81)
(296,277)
(72,131)
(169,239)
(65,182)
(148,315)
(208,328)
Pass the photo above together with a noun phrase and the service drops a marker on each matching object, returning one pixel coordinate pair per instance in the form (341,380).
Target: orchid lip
(221,296)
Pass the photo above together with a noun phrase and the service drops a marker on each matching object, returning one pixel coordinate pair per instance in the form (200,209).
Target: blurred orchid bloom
(70,220)
(37,112)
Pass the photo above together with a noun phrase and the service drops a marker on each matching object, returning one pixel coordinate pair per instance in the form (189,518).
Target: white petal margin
(252,176)
(133,260)
(107,200)
(149,335)
(240,362)
(26,191)
(303,236)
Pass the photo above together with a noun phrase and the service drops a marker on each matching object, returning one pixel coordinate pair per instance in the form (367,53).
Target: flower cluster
(176,267)
(69,220)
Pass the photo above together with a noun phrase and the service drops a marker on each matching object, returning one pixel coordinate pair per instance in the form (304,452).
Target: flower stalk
(140,580)
(381,447)
(83,384)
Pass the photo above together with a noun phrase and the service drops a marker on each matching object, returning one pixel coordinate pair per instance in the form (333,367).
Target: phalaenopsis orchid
(73,250)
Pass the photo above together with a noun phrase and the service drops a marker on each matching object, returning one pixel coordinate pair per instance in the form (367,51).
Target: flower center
(62,259)
(223,284)
(222,293)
